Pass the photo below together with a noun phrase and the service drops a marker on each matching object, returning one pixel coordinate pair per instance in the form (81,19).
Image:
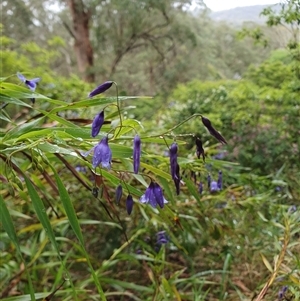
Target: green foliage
(259,114)
(62,232)
(93,242)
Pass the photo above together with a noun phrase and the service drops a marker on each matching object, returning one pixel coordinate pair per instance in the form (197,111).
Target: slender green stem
(176,126)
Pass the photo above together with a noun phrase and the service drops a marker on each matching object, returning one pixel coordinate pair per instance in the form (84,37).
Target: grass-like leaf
(43,218)
(8,226)
(71,214)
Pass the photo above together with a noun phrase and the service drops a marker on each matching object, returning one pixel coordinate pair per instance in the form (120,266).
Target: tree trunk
(82,47)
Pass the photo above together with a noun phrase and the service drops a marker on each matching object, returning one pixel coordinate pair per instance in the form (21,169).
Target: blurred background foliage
(241,243)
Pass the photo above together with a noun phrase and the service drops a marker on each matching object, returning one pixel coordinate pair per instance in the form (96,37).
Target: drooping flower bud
(97,123)
(173,159)
(208,181)
(177,179)
(136,153)
(102,88)
(129,204)
(200,188)
(119,192)
(212,130)
(220,180)
(199,149)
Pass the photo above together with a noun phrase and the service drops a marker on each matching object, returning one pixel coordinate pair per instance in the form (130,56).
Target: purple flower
(212,130)
(173,159)
(220,180)
(214,186)
(102,88)
(119,192)
(282,292)
(129,204)
(199,149)
(102,154)
(97,123)
(153,196)
(162,238)
(30,83)
(136,153)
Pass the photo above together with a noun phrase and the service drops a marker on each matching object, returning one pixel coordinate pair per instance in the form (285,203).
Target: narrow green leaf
(9,228)
(43,218)
(157,171)
(73,220)
(41,212)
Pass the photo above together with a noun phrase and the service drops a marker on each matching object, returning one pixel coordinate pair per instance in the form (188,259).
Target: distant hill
(239,15)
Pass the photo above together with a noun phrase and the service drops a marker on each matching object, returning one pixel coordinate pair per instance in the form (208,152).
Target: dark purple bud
(119,192)
(173,159)
(95,192)
(220,180)
(208,181)
(136,153)
(177,179)
(129,204)
(199,149)
(212,130)
(282,292)
(102,154)
(200,187)
(102,88)
(97,123)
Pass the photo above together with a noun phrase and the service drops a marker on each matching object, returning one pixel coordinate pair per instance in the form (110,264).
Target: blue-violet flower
(162,238)
(102,88)
(102,154)
(97,123)
(153,196)
(136,153)
(30,83)
(214,186)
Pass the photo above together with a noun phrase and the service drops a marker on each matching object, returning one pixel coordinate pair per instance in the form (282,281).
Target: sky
(216,5)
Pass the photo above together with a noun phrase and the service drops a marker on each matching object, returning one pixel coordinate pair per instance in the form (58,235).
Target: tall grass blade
(9,228)
(73,220)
